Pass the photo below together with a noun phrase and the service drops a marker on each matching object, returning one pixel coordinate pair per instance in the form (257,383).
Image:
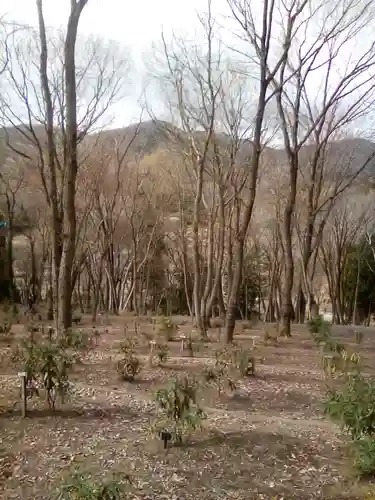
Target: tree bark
(52,197)
(71,168)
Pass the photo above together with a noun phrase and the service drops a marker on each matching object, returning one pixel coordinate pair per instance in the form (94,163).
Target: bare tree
(315,35)
(345,227)
(46,131)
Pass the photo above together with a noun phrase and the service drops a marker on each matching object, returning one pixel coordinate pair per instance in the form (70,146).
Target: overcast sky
(136,24)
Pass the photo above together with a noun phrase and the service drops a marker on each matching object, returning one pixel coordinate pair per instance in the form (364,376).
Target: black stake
(165,436)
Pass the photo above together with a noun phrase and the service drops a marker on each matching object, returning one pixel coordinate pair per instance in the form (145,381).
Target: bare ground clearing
(266,440)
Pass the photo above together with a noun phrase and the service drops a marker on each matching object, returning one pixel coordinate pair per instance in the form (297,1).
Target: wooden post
(151,354)
(328,359)
(22,376)
(254,339)
(183,340)
(50,332)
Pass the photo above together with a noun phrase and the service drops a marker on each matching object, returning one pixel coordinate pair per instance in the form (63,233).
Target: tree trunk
(71,168)
(52,195)
(287,304)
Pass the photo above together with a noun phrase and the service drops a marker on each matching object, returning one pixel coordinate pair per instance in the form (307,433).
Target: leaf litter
(268,440)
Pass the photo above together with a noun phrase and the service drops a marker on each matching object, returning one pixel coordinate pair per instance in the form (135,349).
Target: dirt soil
(268,439)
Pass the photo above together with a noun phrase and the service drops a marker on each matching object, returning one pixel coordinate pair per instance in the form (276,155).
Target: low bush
(128,345)
(80,487)
(179,412)
(319,329)
(47,365)
(78,340)
(271,337)
(352,404)
(336,359)
(245,362)
(76,317)
(231,363)
(129,367)
(8,316)
(165,328)
(162,353)
(364,456)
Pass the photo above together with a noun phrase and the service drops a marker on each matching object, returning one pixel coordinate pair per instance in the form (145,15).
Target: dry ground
(267,440)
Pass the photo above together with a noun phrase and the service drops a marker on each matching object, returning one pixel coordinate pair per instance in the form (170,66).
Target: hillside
(346,156)
(144,139)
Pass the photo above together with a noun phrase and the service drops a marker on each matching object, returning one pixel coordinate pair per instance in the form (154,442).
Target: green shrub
(82,488)
(54,366)
(319,329)
(353,406)
(47,365)
(128,367)
(219,376)
(364,461)
(321,333)
(78,340)
(5,328)
(76,317)
(162,353)
(8,316)
(224,373)
(245,362)
(127,345)
(179,411)
(271,338)
(165,328)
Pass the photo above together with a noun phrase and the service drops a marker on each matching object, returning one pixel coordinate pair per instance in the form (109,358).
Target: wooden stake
(22,376)
(151,354)
(183,341)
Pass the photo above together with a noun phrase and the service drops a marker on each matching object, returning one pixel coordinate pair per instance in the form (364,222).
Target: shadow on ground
(91,413)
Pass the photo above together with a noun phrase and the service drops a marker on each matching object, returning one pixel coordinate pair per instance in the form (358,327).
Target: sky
(136,24)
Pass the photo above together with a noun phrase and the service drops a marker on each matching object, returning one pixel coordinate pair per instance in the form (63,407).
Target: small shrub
(129,367)
(95,335)
(78,340)
(33,328)
(8,316)
(76,317)
(245,361)
(320,330)
(179,411)
(364,461)
(128,345)
(224,373)
(219,376)
(162,353)
(47,365)
(352,406)
(54,370)
(82,488)
(5,328)
(271,338)
(166,328)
